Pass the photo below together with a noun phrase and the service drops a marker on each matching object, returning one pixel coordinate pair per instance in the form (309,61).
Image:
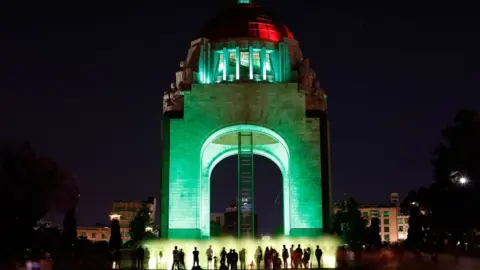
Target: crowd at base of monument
(161,253)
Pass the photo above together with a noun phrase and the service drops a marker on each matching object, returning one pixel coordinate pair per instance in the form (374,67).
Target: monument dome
(246,20)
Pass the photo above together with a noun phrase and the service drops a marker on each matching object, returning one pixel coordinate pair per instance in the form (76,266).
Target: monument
(245,89)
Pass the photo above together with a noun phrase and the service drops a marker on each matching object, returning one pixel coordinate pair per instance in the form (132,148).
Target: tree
(30,186)
(69,233)
(47,239)
(115,236)
(373,236)
(452,202)
(350,224)
(139,224)
(416,235)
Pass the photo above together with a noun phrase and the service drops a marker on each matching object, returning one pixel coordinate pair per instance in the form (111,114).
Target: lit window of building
(393,223)
(91,233)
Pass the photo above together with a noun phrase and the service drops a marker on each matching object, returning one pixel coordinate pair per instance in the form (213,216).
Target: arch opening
(222,144)
(267,197)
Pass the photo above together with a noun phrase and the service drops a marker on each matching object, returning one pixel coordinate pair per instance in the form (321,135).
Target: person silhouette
(234,259)
(298,257)
(195,257)
(223,256)
(160,258)
(306,258)
(209,258)
(230,259)
(242,255)
(266,257)
(176,258)
(181,256)
(258,257)
(292,256)
(285,257)
(318,255)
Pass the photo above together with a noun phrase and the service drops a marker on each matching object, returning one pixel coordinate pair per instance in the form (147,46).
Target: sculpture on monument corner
(184,77)
(315,96)
(307,76)
(172,99)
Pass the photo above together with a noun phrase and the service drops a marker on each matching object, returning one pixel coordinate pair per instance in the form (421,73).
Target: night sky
(84,84)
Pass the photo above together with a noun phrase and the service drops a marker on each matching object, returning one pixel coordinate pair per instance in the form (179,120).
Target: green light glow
(237,62)
(258,64)
(225,63)
(212,154)
(244,1)
(328,244)
(200,140)
(250,55)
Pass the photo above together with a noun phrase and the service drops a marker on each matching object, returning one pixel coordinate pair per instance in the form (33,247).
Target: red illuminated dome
(246,21)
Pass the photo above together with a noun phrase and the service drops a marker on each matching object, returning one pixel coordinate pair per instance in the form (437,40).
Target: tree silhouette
(30,186)
(115,236)
(69,233)
(349,223)
(451,202)
(139,224)
(373,236)
(416,235)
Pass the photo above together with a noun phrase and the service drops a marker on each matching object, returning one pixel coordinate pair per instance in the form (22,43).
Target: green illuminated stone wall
(212,107)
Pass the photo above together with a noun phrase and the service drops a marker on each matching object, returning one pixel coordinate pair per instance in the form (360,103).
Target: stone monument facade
(247,91)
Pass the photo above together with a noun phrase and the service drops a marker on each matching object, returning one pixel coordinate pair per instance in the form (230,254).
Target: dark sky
(84,84)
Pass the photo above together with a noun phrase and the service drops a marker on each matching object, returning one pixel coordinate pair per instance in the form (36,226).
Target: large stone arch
(212,154)
(215,109)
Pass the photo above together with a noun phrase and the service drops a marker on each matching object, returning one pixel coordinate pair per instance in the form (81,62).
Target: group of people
(272,260)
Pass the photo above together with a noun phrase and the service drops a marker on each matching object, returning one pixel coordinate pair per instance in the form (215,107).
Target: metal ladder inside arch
(246,217)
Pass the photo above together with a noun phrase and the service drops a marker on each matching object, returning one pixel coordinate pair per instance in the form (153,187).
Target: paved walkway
(445,262)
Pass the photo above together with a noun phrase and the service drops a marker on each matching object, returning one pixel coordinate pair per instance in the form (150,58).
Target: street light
(459,178)
(462,180)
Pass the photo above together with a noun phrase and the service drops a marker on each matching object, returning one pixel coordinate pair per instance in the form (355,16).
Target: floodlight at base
(328,244)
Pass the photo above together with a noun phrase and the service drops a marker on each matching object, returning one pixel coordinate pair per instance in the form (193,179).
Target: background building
(218,218)
(95,233)
(393,224)
(231,221)
(125,211)
(226,223)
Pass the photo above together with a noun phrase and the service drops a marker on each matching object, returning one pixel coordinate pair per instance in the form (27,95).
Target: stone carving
(184,77)
(315,97)
(172,99)
(307,75)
